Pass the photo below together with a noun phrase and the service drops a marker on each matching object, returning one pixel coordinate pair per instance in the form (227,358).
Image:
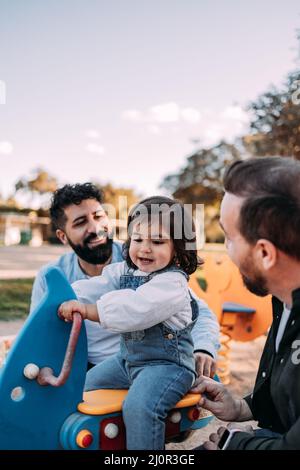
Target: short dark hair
(186,259)
(68,195)
(271,209)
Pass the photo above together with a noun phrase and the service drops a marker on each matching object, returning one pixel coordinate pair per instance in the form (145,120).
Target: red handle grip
(46,375)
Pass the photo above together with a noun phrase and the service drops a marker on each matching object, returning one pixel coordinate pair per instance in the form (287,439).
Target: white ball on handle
(31,371)
(175,417)
(111,430)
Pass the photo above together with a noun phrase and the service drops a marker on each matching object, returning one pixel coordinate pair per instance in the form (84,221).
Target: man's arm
(38,290)
(206,331)
(246,441)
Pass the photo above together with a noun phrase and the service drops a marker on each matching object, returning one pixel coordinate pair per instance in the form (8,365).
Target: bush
(15,298)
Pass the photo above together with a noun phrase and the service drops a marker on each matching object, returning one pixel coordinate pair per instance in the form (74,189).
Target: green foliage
(200,180)
(42,183)
(37,189)
(275,127)
(15,298)
(113,195)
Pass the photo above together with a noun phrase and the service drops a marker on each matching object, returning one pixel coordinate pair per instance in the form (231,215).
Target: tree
(120,198)
(276,122)
(200,181)
(36,190)
(117,202)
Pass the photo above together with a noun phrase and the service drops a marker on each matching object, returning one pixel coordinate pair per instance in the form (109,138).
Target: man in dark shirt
(260,216)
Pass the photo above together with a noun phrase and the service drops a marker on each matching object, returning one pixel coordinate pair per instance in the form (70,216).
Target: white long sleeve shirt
(165,298)
(102,343)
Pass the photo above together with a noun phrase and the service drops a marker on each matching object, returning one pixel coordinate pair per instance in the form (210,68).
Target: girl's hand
(66,310)
(205,364)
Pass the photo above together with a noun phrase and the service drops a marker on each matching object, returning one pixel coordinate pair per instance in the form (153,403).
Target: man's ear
(266,253)
(61,236)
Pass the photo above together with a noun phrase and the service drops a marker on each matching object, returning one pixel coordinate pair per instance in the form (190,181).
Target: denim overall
(158,367)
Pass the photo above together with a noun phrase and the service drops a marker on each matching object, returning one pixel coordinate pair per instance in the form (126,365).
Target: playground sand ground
(244,363)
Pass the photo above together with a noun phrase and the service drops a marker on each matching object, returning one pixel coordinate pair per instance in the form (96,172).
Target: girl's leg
(154,392)
(110,373)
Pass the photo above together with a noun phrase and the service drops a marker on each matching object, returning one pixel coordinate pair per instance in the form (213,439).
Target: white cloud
(92,134)
(153,129)
(164,113)
(6,148)
(132,115)
(191,115)
(213,126)
(95,148)
(225,124)
(236,113)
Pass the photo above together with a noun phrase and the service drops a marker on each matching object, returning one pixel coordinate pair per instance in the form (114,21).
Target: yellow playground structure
(242,315)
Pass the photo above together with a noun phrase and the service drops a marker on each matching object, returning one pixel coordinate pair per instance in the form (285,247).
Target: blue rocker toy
(42,403)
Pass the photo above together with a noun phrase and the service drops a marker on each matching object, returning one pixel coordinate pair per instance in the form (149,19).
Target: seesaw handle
(46,375)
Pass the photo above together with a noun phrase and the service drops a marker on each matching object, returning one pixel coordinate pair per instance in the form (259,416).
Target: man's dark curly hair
(178,218)
(68,195)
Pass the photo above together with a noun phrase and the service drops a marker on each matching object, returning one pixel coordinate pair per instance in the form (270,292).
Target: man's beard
(257,285)
(100,254)
(254,282)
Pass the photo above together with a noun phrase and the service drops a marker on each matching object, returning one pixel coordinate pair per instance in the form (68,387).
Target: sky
(122,91)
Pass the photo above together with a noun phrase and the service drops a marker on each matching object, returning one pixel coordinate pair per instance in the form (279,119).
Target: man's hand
(66,310)
(205,364)
(241,427)
(217,399)
(214,439)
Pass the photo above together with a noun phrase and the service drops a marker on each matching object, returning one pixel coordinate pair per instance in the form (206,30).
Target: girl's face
(151,248)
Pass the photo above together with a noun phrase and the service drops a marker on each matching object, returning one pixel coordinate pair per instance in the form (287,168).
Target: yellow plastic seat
(101,402)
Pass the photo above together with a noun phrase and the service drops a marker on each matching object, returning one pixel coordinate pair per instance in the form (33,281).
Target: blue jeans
(154,389)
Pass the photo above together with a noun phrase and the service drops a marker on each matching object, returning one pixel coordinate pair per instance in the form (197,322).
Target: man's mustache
(94,236)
